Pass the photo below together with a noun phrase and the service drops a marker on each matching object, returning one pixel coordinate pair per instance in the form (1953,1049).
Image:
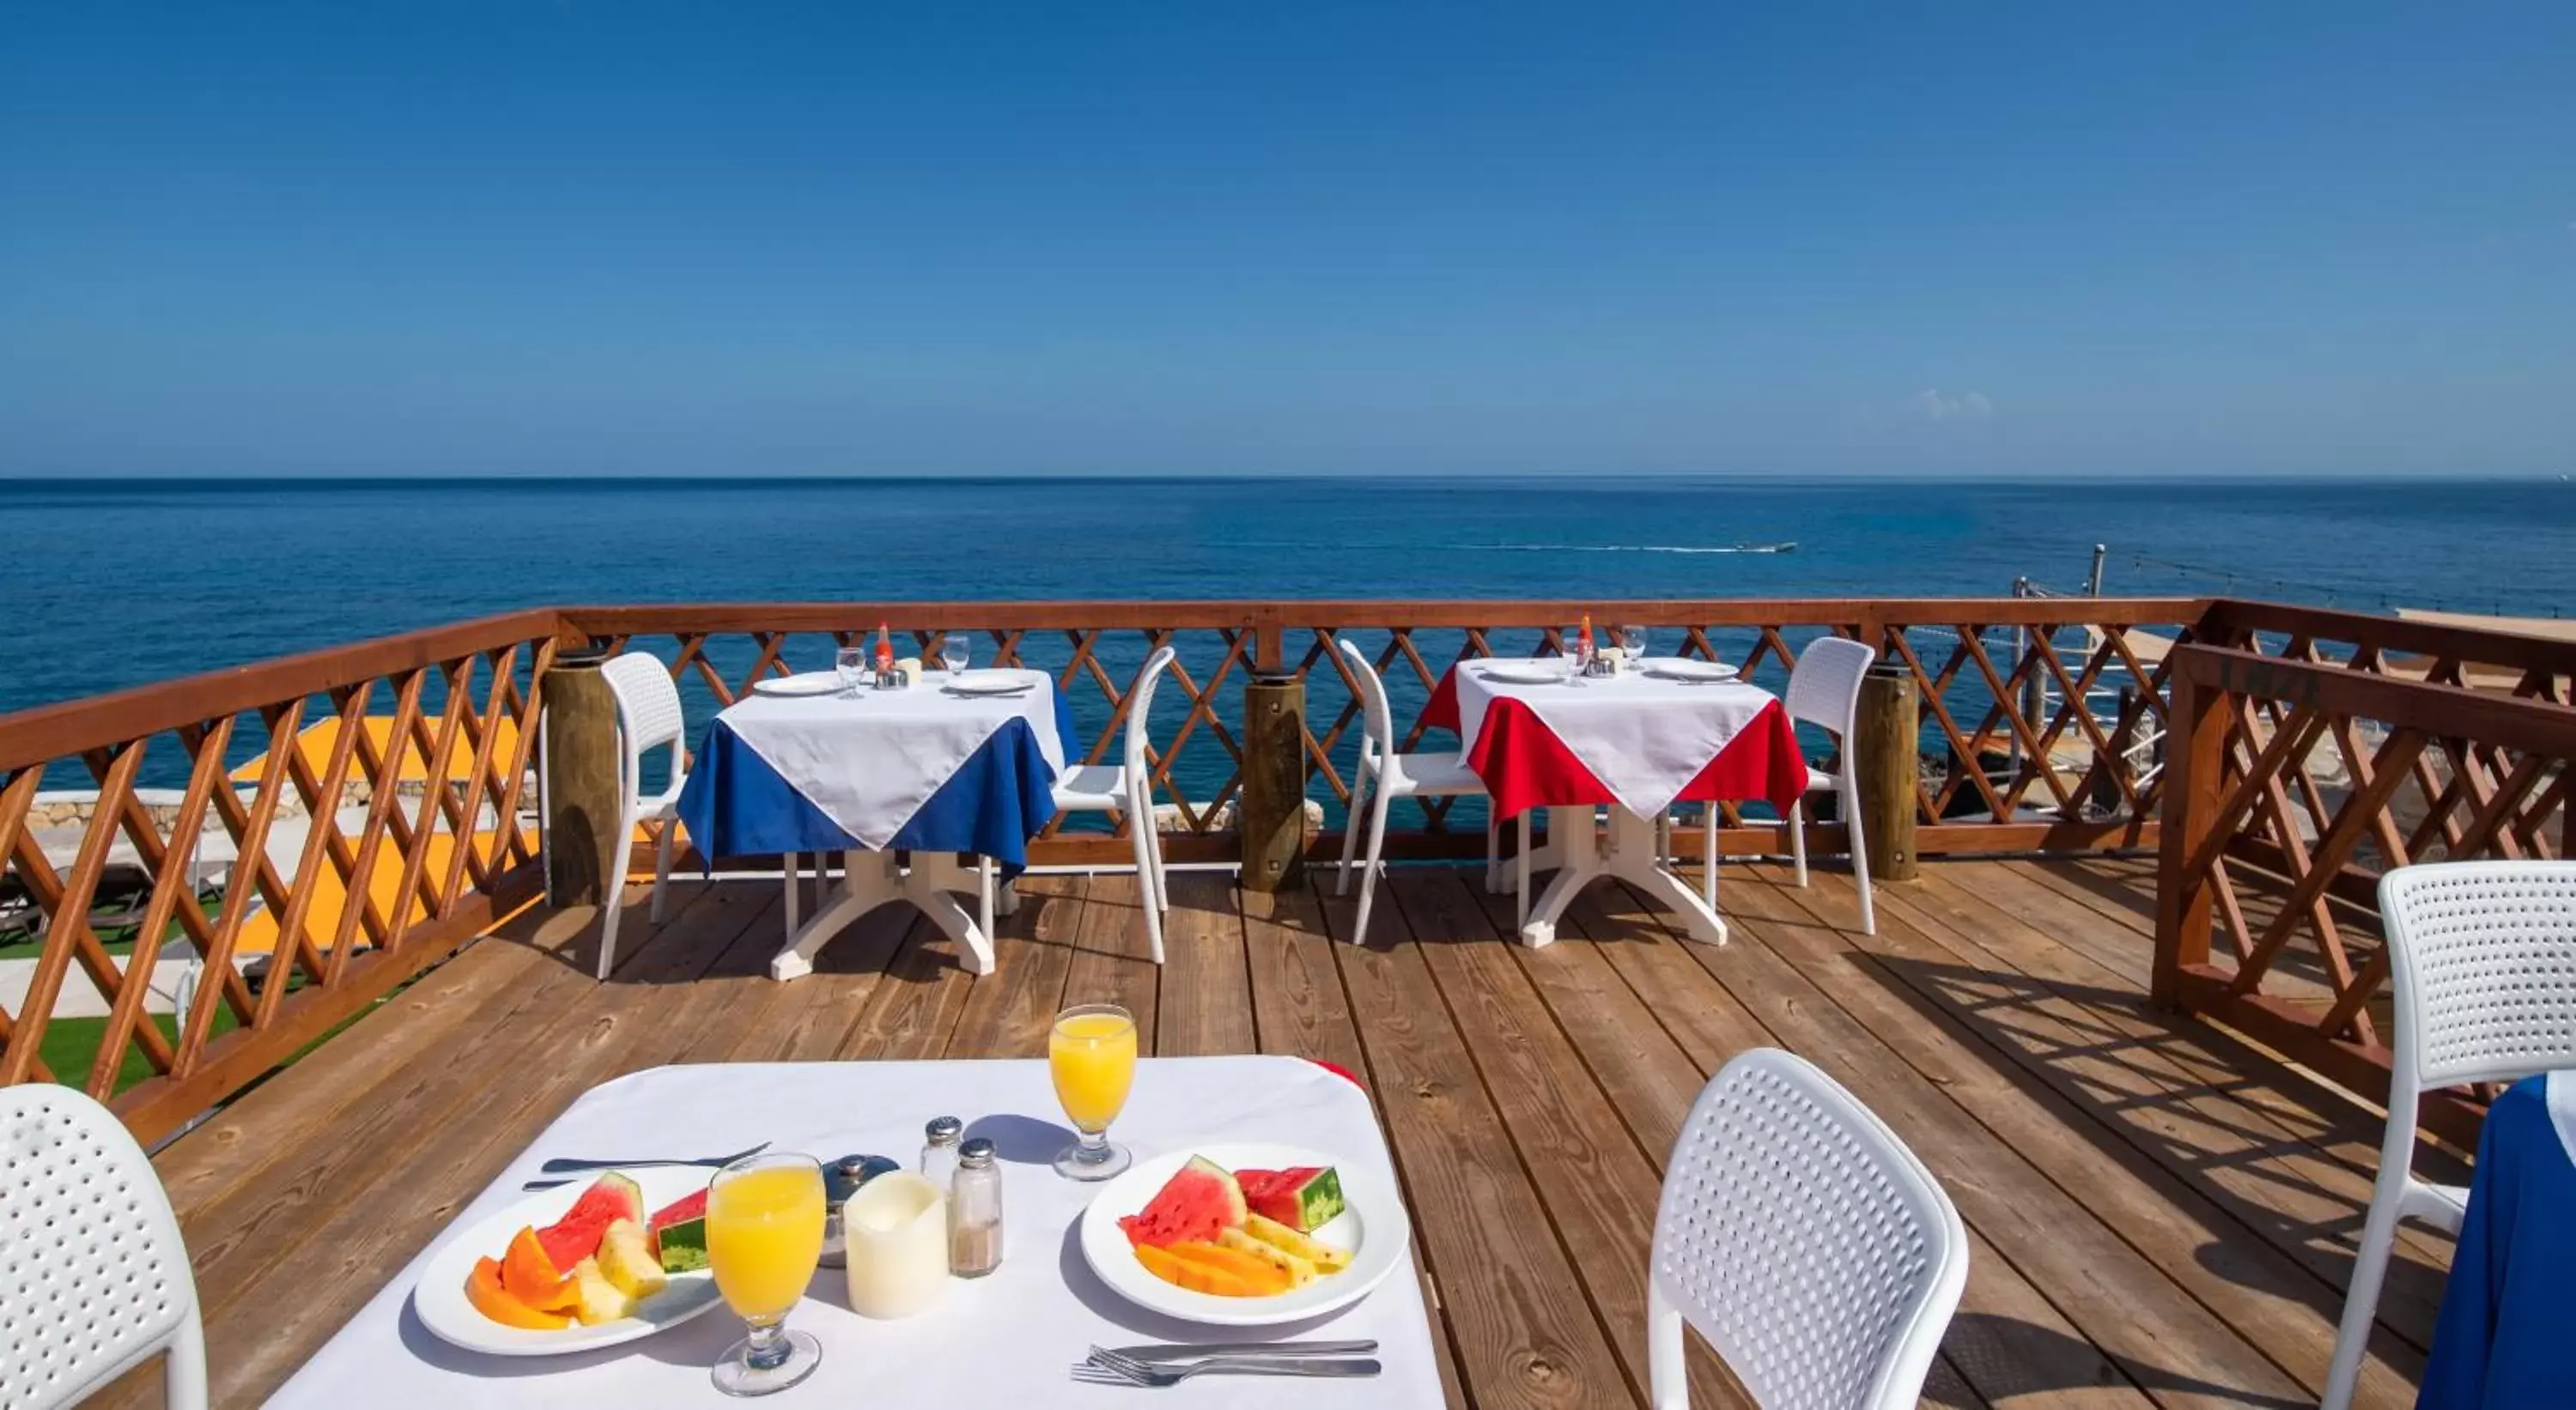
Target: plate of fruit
(575,1268)
(1245,1235)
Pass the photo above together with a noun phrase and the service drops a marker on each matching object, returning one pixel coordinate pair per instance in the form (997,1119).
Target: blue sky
(581,238)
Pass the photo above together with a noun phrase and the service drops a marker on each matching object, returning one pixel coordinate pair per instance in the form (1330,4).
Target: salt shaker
(975,1212)
(939,1150)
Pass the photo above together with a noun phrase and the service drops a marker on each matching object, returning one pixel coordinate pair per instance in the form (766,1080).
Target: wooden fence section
(2041,716)
(375,830)
(2301,773)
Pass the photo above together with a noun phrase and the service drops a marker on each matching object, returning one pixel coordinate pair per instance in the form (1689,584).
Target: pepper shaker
(975,1212)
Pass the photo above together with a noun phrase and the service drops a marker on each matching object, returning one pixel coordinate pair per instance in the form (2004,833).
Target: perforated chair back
(2482,966)
(1802,1238)
(1379,739)
(1140,710)
(93,1276)
(648,708)
(1824,687)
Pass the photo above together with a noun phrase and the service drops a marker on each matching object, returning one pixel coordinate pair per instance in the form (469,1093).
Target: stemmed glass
(764,1237)
(1632,647)
(953,651)
(1578,654)
(851,665)
(1092,1054)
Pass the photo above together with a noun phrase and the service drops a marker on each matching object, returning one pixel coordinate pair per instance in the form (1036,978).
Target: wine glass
(953,651)
(1578,654)
(1632,647)
(764,1238)
(850,663)
(1091,1052)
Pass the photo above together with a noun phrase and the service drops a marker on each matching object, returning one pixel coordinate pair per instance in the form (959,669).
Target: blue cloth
(736,805)
(2506,1337)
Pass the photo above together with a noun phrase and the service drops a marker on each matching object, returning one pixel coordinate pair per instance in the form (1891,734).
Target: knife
(1187,1351)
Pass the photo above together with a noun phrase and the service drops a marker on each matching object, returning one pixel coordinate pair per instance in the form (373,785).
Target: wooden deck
(2159,1214)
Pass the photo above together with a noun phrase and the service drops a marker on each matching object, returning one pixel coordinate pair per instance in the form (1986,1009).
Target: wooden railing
(410,846)
(2312,751)
(146,834)
(2038,715)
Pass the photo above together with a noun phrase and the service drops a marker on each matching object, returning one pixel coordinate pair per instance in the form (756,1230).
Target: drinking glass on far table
(851,665)
(764,1236)
(1632,647)
(953,651)
(1092,1055)
(1578,654)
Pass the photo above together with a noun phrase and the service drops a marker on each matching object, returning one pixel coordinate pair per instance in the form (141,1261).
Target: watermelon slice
(1199,1202)
(575,1237)
(1304,1198)
(678,1235)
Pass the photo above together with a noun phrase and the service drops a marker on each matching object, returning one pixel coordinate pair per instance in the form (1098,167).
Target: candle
(895,1230)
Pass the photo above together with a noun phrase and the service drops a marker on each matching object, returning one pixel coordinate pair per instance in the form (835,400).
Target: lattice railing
(2035,712)
(331,824)
(2306,762)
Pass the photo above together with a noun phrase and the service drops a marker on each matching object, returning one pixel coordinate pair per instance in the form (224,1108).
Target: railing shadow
(2005,1357)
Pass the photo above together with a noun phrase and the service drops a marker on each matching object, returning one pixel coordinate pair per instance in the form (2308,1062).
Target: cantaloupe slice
(1325,1257)
(1265,1277)
(483,1289)
(1196,1277)
(530,1276)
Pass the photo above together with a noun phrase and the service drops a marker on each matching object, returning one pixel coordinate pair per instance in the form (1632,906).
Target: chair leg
(1523,840)
(1493,851)
(794,871)
(1154,849)
(1351,832)
(613,904)
(1708,857)
(1666,1379)
(1798,839)
(183,1366)
(1368,877)
(1148,895)
(1859,855)
(2361,1303)
(662,850)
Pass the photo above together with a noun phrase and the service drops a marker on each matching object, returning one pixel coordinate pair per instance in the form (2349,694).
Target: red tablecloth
(1525,766)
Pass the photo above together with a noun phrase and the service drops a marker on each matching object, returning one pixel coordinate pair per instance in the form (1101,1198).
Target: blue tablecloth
(736,805)
(2506,1338)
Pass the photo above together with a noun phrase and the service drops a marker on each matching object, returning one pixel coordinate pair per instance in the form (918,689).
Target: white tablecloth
(1644,737)
(871,760)
(1003,1342)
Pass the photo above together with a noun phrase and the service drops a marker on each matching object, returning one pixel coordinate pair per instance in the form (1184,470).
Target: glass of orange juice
(764,1236)
(1092,1054)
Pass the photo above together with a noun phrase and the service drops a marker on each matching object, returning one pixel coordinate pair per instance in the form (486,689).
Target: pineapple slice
(601,1301)
(626,1260)
(1300,1271)
(1325,1257)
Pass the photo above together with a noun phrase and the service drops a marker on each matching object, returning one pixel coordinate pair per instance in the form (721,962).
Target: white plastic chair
(648,718)
(1386,775)
(1824,689)
(1804,1241)
(2482,973)
(1124,788)
(94,1277)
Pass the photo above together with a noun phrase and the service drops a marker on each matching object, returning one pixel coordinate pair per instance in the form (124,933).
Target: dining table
(1008,1338)
(902,783)
(1656,733)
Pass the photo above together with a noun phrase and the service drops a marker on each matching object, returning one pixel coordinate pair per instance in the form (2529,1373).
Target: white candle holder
(895,1241)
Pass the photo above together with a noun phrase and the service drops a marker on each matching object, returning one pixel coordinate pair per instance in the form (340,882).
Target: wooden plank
(911,1012)
(1597,1182)
(1205,1004)
(2120,1300)
(1298,1003)
(2249,1313)
(1112,960)
(1524,1335)
(810,1019)
(1010,1011)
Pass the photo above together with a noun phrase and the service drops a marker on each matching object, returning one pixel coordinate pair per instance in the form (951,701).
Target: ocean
(115,584)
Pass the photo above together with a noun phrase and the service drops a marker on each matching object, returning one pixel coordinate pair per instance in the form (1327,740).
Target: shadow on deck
(2158,1212)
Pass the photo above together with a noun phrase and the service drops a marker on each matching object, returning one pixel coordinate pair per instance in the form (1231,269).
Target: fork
(565,1164)
(1109,1368)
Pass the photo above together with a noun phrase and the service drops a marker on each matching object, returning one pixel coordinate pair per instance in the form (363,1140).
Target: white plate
(1675,668)
(1531,673)
(438,1298)
(1372,1225)
(807,683)
(991,682)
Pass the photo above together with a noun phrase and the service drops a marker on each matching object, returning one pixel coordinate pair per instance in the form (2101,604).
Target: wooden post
(1271,817)
(577,777)
(2193,781)
(1886,735)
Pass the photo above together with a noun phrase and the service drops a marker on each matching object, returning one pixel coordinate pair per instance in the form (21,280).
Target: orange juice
(1093,1059)
(764,1236)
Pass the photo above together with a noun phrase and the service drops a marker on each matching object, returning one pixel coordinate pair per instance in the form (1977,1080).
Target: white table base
(1574,852)
(873,879)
